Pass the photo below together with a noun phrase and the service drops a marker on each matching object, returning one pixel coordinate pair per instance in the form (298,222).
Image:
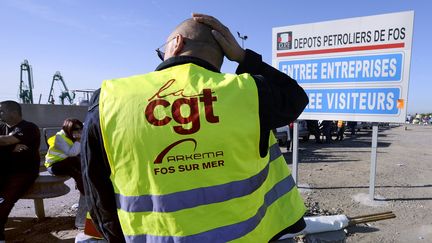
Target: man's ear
(178,47)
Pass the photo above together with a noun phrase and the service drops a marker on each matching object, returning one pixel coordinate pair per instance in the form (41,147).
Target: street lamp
(244,37)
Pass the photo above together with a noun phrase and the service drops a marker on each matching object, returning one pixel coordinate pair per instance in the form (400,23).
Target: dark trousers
(340,133)
(312,126)
(12,187)
(352,127)
(71,166)
(327,130)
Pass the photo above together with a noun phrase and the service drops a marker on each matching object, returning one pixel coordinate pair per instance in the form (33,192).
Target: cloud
(165,10)
(125,21)
(47,13)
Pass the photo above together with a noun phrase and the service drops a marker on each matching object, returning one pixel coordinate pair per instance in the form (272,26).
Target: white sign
(353,69)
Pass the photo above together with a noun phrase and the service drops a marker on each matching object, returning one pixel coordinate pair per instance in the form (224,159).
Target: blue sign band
(373,68)
(373,101)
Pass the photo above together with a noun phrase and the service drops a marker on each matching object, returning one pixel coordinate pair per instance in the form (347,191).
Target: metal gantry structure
(26,90)
(85,94)
(65,94)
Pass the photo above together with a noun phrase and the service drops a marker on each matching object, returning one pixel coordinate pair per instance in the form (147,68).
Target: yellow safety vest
(55,155)
(183,147)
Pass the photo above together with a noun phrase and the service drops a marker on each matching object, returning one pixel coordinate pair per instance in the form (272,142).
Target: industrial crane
(26,93)
(86,94)
(65,94)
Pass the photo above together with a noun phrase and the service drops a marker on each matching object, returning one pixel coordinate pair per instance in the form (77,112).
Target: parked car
(364,125)
(284,134)
(303,132)
(358,126)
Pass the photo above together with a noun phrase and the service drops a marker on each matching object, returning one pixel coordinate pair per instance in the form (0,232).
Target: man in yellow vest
(185,153)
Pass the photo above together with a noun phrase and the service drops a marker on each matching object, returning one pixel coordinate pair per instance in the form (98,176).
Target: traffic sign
(354,69)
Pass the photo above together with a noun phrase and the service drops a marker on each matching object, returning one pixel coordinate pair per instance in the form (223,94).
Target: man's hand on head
(223,36)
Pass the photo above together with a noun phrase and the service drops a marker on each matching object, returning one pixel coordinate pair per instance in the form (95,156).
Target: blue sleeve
(96,172)
(281,99)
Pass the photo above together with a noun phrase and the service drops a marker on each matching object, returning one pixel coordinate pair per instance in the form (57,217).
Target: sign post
(373,161)
(353,69)
(295,151)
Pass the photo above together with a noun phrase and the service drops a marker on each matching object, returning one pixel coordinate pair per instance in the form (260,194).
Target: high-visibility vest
(183,148)
(54,154)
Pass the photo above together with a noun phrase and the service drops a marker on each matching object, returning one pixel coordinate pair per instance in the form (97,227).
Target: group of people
(137,144)
(423,119)
(328,128)
(20,158)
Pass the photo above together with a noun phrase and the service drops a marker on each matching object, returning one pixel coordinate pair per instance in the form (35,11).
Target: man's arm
(62,145)
(96,172)
(281,99)
(8,140)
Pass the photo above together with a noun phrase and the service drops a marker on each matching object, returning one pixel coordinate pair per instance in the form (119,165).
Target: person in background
(352,126)
(63,156)
(243,192)
(408,119)
(327,130)
(313,127)
(340,130)
(19,158)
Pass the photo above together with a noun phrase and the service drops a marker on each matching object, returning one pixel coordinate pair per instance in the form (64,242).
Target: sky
(90,41)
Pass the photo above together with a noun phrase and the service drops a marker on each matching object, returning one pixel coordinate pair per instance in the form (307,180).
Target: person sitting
(19,157)
(63,156)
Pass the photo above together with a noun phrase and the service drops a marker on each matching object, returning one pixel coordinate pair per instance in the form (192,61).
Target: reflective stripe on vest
(183,148)
(53,154)
(199,196)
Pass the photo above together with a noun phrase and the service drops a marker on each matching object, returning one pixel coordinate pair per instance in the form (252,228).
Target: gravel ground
(58,226)
(333,178)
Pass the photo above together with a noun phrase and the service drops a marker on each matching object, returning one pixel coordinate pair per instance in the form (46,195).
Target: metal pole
(373,161)
(243,38)
(295,152)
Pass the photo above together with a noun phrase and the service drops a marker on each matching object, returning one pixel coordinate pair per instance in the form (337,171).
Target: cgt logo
(157,101)
(284,41)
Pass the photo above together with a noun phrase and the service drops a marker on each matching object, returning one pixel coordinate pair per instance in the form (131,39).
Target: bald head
(197,41)
(194,30)
(10,112)
(11,106)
